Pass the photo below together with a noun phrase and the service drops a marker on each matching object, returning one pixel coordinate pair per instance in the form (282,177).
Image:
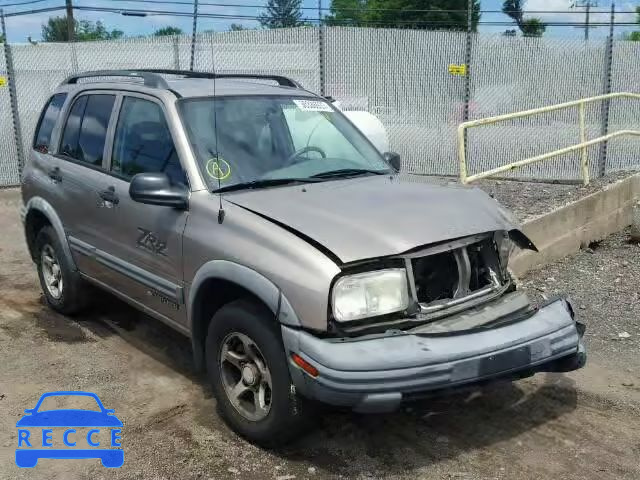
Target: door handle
(54,174)
(109,195)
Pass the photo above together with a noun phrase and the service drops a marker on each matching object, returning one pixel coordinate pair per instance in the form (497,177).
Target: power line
(222,16)
(364,9)
(315,20)
(189,3)
(29,2)
(34,11)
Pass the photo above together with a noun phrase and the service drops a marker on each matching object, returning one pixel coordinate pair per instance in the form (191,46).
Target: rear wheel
(62,286)
(247,365)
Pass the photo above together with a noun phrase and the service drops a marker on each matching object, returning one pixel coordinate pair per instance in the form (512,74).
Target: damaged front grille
(443,278)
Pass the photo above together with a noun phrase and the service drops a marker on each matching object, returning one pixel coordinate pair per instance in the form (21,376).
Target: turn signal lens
(304,365)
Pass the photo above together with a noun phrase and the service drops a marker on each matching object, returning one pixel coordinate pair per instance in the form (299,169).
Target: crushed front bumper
(376,374)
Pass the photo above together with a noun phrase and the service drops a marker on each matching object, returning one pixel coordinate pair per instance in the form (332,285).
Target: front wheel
(248,368)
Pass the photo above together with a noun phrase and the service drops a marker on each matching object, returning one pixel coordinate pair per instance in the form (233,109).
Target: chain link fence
(401,75)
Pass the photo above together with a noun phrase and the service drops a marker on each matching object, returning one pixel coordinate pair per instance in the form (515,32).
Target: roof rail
(279,79)
(150,79)
(152,76)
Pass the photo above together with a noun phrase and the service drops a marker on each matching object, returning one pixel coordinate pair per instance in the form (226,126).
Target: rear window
(47,121)
(86,129)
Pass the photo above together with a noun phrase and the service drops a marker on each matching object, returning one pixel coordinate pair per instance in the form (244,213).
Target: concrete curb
(563,231)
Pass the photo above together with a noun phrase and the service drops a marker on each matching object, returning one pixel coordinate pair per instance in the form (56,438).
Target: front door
(142,244)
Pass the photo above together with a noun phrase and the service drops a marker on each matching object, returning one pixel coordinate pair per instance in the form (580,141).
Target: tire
(288,413)
(72,297)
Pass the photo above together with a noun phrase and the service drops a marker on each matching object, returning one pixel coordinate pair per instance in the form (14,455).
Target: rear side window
(143,142)
(47,121)
(86,129)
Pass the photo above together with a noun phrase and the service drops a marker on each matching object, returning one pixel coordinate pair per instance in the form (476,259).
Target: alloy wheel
(245,376)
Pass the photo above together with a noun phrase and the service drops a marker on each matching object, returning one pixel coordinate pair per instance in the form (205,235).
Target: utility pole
(193,34)
(586,22)
(586,4)
(71,25)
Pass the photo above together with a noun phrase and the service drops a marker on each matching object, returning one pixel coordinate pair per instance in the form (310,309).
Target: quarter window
(47,122)
(86,129)
(143,142)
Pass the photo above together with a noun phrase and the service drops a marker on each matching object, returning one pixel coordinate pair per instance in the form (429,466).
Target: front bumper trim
(377,374)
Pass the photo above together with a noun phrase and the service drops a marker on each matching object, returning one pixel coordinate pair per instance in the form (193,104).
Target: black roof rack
(150,79)
(152,76)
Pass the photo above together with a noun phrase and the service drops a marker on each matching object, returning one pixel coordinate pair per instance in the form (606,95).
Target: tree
(55,30)
(530,27)
(429,14)
(164,31)
(347,12)
(533,27)
(634,36)
(237,27)
(282,13)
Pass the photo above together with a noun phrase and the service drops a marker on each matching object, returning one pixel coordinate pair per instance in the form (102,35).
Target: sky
(20,29)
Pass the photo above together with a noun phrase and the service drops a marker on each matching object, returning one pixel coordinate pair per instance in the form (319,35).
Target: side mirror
(156,189)
(393,159)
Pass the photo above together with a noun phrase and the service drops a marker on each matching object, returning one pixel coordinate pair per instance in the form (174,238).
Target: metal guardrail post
(17,130)
(584,160)
(606,105)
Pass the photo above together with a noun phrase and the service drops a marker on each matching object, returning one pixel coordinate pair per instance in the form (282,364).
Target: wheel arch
(219,282)
(38,213)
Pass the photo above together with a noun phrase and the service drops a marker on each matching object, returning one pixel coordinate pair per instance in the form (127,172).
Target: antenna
(221,213)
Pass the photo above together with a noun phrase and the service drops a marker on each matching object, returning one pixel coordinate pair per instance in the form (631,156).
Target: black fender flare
(245,277)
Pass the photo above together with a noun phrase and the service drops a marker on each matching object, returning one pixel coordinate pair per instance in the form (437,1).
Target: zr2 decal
(148,241)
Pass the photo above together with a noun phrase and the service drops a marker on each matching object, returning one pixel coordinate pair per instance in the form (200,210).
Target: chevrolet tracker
(257,218)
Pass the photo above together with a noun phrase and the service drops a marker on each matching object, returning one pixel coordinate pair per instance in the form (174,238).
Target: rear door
(42,176)
(81,171)
(143,243)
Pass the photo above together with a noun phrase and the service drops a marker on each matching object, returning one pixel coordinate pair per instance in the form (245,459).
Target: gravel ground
(582,425)
(603,283)
(530,199)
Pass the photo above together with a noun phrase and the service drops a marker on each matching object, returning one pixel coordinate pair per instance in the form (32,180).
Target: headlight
(370,294)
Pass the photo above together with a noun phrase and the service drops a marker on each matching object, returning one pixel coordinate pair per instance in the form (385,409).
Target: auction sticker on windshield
(312,106)
(57,428)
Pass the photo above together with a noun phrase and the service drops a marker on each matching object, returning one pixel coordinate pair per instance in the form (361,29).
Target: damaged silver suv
(254,217)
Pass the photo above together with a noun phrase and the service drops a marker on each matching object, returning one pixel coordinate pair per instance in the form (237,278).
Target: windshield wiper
(266,182)
(348,172)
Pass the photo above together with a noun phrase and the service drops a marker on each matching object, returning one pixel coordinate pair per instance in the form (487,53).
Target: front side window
(143,142)
(48,120)
(274,138)
(85,133)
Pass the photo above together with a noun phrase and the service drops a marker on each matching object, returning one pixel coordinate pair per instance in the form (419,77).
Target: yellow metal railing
(583,145)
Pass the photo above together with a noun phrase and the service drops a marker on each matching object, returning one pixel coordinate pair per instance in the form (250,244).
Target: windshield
(268,139)
(77,402)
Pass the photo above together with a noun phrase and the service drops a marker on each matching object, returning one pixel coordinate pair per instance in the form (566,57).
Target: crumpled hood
(377,216)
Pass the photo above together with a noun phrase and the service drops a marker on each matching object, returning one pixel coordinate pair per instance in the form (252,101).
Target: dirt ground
(581,425)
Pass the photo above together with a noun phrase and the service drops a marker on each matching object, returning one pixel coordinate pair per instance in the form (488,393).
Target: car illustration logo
(84,433)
